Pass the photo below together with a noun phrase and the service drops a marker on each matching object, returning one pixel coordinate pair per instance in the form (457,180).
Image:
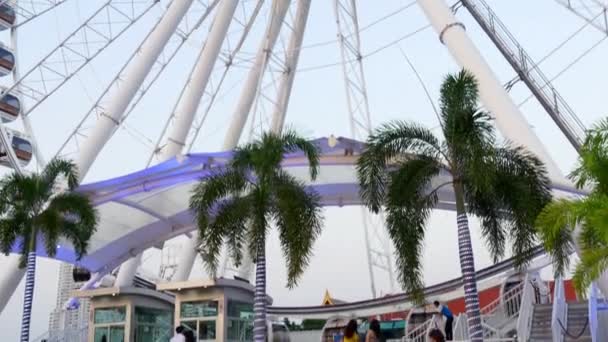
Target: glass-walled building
(129,315)
(214,310)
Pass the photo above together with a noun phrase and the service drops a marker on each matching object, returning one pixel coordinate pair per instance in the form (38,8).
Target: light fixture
(332,141)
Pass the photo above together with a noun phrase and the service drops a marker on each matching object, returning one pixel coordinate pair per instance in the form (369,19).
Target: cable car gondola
(80,274)
(22,147)
(10,106)
(7,61)
(7,15)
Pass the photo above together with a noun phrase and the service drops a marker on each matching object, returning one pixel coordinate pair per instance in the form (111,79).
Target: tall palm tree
(557,222)
(506,187)
(237,205)
(33,211)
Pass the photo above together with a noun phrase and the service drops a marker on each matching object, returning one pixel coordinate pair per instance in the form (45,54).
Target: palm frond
(50,224)
(592,265)
(73,216)
(409,203)
(593,159)
(298,215)
(391,142)
(467,130)
(219,186)
(57,167)
(508,197)
(229,225)
(555,225)
(406,229)
(9,231)
(293,142)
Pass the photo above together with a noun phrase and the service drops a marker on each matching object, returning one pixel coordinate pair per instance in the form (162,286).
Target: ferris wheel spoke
(245,18)
(81,47)
(72,144)
(595,12)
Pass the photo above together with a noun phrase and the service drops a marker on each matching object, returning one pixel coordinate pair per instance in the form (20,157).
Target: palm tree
(557,222)
(33,211)
(504,186)
(237,205)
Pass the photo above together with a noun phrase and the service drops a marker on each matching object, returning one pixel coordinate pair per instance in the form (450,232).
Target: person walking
(374,334)
(179,335)
(350,332)
(449,319)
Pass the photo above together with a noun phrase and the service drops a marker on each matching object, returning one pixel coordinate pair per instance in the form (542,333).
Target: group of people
(436,334)
(183,335)
(373,334)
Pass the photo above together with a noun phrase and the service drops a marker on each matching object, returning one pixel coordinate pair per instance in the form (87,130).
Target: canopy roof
(142,209)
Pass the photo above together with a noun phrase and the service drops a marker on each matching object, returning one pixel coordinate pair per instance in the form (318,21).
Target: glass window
(240,330)
(110,315)
(102,334)
(240,310)
(198,309)
(117,334)
(153,325)
(206,330)
(110,334)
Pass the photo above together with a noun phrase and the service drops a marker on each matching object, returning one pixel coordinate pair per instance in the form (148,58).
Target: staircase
(576,324)
(541,323)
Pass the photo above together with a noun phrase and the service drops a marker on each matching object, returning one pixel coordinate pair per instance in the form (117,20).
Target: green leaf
(298,215)
(389,143)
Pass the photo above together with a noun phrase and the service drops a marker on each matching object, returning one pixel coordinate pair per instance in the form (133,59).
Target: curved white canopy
(142,209)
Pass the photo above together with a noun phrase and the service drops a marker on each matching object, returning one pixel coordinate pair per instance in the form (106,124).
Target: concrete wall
(305,336)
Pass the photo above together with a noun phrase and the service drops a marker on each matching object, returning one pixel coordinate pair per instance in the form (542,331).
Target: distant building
(67,322)
(329,300)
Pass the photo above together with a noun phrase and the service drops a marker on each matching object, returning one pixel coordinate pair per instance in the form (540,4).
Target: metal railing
(560,310)
(526,310)
(529,72)
(419,334)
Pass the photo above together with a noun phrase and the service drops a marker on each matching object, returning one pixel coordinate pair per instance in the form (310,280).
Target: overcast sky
(317,108)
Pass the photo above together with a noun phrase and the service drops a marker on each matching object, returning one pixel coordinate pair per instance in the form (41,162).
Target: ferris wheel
(213,56)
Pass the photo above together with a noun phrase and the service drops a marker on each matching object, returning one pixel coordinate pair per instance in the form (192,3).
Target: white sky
(318,108)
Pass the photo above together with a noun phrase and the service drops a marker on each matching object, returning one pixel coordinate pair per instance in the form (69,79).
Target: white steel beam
(252,84)
(239,118)
(509,119)
(187,106)
(292,56)
(135,74)
(377,244)
(191,97)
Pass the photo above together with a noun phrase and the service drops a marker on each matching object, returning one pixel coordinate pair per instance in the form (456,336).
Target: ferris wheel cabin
(22,147)
(7,61)
(7,15)
(10,106)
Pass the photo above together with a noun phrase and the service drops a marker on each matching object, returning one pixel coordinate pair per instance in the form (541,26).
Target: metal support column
(377,244)
(291,64)
(239,118)
(135,74)
(509,119)
(185,110)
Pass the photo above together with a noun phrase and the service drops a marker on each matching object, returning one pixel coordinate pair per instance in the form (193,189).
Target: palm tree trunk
(28,296)
(467,266)
(259,300)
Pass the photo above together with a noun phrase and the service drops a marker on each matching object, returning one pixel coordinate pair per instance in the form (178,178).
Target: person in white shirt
(179,335)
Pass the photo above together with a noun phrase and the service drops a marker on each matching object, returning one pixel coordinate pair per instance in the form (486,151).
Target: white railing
(419,334)
(461,327)
(593,308)
(526,309)
(560,310)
